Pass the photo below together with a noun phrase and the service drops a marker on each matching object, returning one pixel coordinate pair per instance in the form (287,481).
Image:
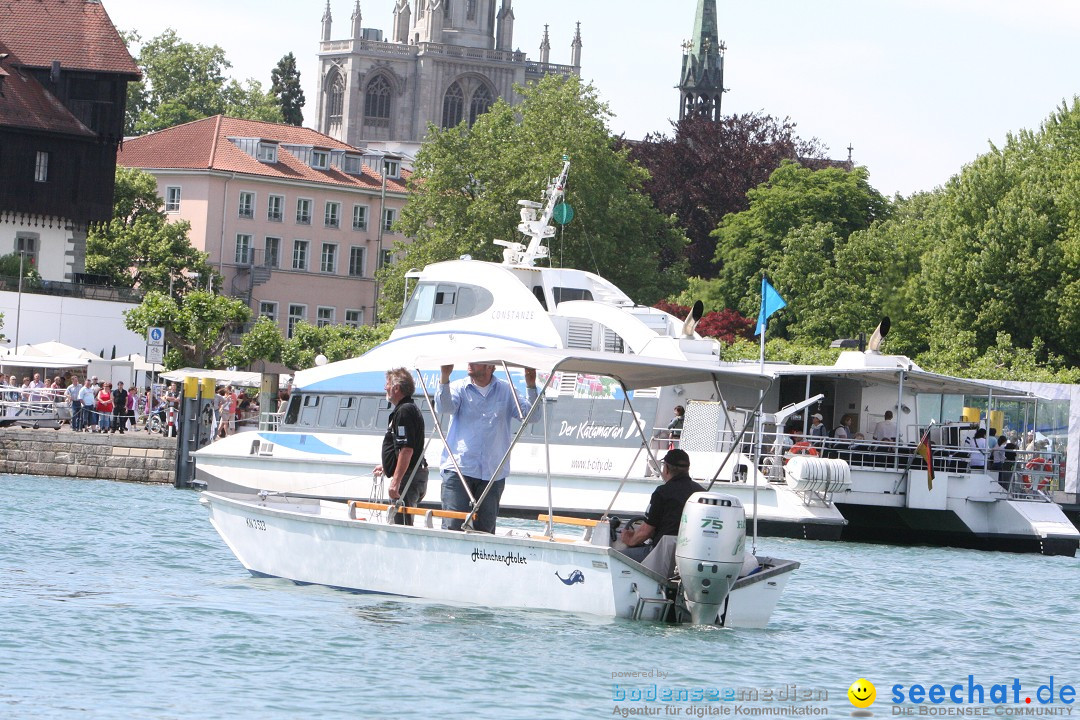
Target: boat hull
(316,542)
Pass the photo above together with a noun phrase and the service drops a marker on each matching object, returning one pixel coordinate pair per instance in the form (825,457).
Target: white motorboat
(328,441)
(354,545)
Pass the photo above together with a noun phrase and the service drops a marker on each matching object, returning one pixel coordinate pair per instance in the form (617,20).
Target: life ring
(1041,465)
(802,448)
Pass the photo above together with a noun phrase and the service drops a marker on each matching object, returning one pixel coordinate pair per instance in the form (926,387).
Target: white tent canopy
(140,365)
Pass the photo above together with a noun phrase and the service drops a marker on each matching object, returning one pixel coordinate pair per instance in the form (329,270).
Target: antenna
(537,229)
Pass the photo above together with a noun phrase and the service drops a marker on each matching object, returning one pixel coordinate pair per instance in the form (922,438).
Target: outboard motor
(709,552)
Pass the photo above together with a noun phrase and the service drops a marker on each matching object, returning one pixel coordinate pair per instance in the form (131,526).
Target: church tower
(443,63)
(701,85)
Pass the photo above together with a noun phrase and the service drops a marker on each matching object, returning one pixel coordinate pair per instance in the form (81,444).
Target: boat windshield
(438,301)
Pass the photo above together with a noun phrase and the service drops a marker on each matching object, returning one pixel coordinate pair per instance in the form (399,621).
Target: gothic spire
(701,84)
(327,19)
(575,48)
(545,47)
(357,22)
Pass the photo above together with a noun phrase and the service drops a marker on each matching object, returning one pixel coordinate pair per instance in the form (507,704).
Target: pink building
(292,219)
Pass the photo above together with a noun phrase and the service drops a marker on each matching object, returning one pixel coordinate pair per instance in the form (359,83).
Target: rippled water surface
(120,600)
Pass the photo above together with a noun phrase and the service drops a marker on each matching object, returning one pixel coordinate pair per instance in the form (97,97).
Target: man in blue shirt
(481,407)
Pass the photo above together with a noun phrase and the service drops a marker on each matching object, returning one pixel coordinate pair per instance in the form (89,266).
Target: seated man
(663,516)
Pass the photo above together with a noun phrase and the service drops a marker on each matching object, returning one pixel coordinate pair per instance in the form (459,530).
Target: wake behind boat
(354,546)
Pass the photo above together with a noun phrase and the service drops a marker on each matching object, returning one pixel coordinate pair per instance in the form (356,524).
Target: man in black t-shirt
(119,400)
(664,513)
(403,445)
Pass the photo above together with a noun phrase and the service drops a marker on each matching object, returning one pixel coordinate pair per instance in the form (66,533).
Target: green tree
(791,232)
(198,326)
(139,246)
(1005,251)
(336,342)
(184,81)
(285,86)
(263,341)
(467,182)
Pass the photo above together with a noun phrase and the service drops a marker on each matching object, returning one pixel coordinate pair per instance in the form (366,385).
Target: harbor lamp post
(378,250)
(18,305)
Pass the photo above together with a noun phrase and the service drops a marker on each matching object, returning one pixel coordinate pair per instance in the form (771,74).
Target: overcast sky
(918,88)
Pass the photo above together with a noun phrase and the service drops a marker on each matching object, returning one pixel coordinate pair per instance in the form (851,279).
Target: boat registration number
(255,524)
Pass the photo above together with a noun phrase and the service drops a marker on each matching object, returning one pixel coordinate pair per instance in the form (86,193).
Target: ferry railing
(19,404)
(270,421)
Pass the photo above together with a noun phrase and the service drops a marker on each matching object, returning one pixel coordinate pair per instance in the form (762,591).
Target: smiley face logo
(862,693)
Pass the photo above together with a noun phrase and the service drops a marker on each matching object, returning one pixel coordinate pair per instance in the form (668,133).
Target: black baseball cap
(677,458)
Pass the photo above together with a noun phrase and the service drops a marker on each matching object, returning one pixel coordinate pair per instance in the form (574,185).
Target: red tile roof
(26,104)
(78,33)
(204,144)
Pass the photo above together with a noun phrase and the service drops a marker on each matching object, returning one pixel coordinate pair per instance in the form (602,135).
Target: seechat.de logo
(862,695)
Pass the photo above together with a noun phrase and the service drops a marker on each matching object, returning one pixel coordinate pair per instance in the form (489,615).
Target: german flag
(926,453)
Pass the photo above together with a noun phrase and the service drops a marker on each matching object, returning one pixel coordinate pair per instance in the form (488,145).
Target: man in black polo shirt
(403,445)
(663,515)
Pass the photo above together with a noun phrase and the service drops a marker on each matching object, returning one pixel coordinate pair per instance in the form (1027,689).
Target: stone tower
(701,86)
(445,61)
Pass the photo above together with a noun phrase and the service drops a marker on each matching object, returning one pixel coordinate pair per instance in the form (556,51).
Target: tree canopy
(139,246)
(467,182)
(285,86)
(705,170)
(198,325)
(184,81)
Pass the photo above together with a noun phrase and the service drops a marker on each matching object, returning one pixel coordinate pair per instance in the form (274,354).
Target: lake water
(120,601)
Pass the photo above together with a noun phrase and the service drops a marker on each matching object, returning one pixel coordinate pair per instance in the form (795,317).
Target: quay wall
(131,457)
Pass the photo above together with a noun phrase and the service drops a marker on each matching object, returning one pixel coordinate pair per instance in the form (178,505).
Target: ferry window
(435,302)
(566,294)
(445,300)
(420,307)
(328,411)
(538,292)
(309,413)
(346,411)
(292,412)
(365,417)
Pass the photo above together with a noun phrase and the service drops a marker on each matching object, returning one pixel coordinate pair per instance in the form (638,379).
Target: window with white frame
(41,167)
(268,310)
(303,211)
(272,252)
(332,215)
(299,254)
(320,159)
(243,249)
(353,164)
(247,204)
(275,208)
(392,168)
(387,258)
(296,314)
(359,217)
(267,152)
(354,318)
(389,218)
(172,198)
(328,259)
(357,259)
(324,316)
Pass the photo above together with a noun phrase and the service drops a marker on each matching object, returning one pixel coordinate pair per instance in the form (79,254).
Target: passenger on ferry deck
(885,431)
(977,443)
(676,424)
(479,436)
(817,432)
(662,516)
(403,445)
(843,430)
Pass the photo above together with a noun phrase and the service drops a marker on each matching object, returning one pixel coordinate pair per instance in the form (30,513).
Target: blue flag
(770,303)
